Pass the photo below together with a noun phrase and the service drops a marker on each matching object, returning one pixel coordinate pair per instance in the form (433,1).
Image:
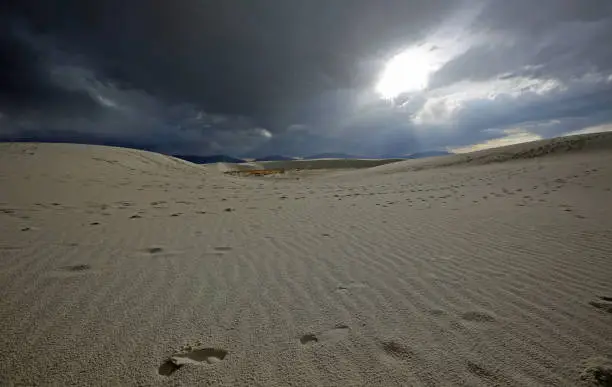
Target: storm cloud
(297,77)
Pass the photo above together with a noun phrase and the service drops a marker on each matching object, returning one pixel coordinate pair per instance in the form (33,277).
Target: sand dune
(123,267)
(529,150)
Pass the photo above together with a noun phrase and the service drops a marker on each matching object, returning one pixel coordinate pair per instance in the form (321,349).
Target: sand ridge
(124,267)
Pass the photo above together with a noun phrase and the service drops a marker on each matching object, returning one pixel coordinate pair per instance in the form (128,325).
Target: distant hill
(332,156)
(275,158)
(209,159)
(228,159)
(433,153)
(417,155)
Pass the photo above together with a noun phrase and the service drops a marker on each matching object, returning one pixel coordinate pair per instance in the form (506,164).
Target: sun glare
(405,72)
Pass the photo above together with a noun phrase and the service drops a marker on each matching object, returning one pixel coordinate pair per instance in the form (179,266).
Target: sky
(297,77)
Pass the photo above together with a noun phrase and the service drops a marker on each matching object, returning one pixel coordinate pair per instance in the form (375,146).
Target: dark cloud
(297,76)
(234,57)
(25,84)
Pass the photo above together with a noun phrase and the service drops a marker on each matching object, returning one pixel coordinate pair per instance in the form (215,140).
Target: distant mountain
(417,155)
(209,159)
(433,153)
(275,158)
(332,156)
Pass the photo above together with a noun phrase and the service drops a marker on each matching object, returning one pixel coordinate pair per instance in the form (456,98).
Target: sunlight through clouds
(407,71)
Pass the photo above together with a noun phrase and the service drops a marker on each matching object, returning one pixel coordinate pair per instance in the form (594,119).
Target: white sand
(116,265)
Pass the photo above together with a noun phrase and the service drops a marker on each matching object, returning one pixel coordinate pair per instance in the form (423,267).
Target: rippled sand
(123,267)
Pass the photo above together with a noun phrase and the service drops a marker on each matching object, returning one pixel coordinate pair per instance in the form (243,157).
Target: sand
(123,267)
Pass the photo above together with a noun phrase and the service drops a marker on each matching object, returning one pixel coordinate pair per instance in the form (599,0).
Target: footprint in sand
(191,356)
(477,317)
(154,250)
(604,303)
(309,338)
(348,287)
(337,333)
(597,371)
(76,268)
(395,350)
(479,371)
(70,271)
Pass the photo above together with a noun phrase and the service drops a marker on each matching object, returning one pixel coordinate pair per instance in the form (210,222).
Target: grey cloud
(240,57)
(529,17)
(561,50)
